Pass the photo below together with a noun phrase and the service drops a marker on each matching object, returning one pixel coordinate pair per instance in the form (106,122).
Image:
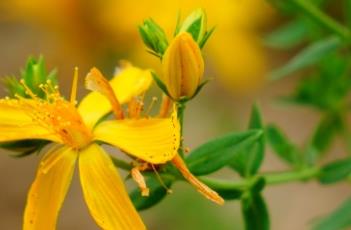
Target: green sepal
(153,36)
(217,153)
(195,24)
(205,38)
(13,87)
(160,84)
(197,91)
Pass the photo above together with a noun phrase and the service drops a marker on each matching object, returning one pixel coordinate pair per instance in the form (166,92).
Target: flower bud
(183,67)
(196,25)
(153,36)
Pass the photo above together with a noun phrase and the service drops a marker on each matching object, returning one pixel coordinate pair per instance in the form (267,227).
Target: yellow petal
(130,82)
(105,193)
(49,189)
(153,140)
(15,124)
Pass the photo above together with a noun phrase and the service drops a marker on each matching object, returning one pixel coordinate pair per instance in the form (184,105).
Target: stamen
(139,179)
(95,81)
(135,106)
(153,102)
(28,91)
(74,87)
(169,191)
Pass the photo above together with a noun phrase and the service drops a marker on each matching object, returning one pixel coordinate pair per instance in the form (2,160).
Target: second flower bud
(183,67)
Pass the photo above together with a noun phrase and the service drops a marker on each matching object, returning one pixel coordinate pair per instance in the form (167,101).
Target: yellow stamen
(139,179)
(153,102)
(74,86)
(169,191)
(55,114)
(135,107)
(28,91)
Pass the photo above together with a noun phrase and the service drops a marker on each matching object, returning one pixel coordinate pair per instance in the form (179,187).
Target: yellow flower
(74,132)
(183,66)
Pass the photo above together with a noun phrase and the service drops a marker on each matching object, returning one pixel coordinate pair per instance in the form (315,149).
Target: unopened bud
(183,67)
(153,36)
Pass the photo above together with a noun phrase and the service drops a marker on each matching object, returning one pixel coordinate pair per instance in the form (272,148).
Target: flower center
(57,115)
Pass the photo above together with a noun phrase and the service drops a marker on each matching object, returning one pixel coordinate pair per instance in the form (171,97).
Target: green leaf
(338,219)
(288,35)
(335,171)
(24,148)
(282,146)
(307,57)
(157,193)
(218,152)
(248,161)
(347,10)
(255,212)
(332,71)
(229,194)
(325,132)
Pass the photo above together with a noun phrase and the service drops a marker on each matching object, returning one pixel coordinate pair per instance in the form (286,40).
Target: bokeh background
(99,33)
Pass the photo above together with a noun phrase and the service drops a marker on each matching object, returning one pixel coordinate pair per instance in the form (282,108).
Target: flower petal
(15,124)
(49,189)
(153,140)
(105,193)
(130,82)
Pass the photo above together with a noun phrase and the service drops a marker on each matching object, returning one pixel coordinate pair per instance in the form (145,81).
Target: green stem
(270,178)
(323,19)
(180,112)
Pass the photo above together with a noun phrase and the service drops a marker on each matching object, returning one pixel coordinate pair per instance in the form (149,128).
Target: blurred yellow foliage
(101,28)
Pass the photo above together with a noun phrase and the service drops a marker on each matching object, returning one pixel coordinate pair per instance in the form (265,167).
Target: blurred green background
(99,33)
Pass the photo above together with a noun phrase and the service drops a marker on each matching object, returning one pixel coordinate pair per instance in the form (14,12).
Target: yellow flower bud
(183,66)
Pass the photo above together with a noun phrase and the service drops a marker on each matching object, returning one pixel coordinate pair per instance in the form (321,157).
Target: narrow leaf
(288,35)
(218,152)
(335,171)
(255,212)
(247,162)
(282,146)
(325,132)
(338,219)
(307,57)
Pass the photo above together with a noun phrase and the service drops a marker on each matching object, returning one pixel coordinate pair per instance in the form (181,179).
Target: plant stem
(323,19)
(270,178)
(180,112)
